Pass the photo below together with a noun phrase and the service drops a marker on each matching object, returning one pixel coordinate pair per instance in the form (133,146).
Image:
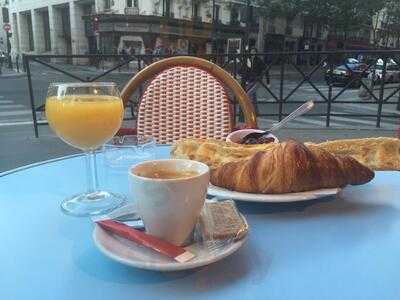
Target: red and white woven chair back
(184,102)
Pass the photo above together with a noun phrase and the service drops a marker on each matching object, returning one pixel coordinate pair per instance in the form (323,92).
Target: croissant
(290,167)
(376,153)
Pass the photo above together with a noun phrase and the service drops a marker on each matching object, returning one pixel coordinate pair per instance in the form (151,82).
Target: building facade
(177,26)
(65,27)
(5,45)
(142,26)
(48,26)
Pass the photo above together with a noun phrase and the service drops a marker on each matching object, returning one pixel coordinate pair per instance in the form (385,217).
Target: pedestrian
(98,57)
(255,71)
(124,53)
(2,58)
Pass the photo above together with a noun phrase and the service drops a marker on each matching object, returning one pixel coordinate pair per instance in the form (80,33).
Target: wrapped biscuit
(221,221)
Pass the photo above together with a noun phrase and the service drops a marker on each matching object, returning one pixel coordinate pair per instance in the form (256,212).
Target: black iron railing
(262,70)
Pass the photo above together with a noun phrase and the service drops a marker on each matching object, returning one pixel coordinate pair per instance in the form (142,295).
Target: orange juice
(85,121)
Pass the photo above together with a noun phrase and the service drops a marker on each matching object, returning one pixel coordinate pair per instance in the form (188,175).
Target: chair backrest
(187,98)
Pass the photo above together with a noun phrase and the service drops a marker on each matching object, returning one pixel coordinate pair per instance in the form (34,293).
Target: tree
(392,20)
(352,16)
(339,17)
(285,9)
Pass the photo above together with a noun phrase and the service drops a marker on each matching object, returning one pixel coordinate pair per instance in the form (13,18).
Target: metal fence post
(17,62)
(381,92)
(281,79)
(398,102)
(243,83)
(329,104)
(23,63)
(10,66)
(31,97)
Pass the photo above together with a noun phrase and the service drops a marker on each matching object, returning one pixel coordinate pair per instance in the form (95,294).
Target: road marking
(6,101)
(370,108)
(11,106)
(15,113)
(367,122)
(338,122)
(16,123)
(348,111)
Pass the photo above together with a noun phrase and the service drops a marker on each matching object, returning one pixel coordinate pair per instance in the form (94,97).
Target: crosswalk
(12,113)
(343,122)
(306,92)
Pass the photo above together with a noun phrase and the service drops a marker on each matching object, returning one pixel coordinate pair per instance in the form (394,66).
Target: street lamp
(247,37)
(213,29)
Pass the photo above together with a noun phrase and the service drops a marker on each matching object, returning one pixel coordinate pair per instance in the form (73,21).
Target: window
(30,32)
(250,15)
(107,4)
(216,12)
(234,16)
(319,31)
(271,25)
(308,30)
(6,19)
(167,8)
(187,11)
(46,30)
(196,10)
(132,3)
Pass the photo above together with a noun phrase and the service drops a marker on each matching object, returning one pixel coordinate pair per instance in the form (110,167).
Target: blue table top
(336,248)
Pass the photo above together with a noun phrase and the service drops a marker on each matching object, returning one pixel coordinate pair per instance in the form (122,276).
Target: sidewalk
(275,70)
(7,73)
(19,147)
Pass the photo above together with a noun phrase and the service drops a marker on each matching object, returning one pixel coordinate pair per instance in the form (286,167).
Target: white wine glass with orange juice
(86,116)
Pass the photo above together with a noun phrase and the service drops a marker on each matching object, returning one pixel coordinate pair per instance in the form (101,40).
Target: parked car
(392,72)
(346,72)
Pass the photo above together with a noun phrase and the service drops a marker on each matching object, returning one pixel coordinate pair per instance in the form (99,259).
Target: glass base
(92,204)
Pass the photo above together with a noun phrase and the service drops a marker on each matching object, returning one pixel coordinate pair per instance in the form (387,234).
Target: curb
(12,75)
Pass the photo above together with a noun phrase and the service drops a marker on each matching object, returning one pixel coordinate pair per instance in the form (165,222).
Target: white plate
(131,254)
(290,197)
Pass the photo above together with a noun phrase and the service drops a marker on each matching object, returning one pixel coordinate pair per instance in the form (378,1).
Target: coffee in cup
(169,195)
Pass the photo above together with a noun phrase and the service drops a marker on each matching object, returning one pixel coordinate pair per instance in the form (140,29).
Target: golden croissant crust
(290,167)
(376,153)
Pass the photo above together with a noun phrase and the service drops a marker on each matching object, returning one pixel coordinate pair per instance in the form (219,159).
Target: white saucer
(131,254)
(222,193)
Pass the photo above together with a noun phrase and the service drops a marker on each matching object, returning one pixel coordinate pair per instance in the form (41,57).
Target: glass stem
(91,172)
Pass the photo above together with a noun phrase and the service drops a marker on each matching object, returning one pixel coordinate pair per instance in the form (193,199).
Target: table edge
(39,163)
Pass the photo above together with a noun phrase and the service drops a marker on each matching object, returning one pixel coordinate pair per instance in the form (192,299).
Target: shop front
(159,35)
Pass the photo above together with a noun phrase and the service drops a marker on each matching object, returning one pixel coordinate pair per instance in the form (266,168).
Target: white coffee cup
(170,207)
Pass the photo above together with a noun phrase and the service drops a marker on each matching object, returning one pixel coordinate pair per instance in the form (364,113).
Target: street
(20,147)
(15,103)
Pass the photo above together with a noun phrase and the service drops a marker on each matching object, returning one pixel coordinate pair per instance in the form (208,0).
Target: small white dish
(237,135)
(222,193)
(134,255)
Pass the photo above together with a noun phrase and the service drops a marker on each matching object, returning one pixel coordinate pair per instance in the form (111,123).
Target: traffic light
(95,23)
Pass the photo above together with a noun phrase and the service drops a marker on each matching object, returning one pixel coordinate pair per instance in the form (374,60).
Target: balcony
(131,10)
(107,11)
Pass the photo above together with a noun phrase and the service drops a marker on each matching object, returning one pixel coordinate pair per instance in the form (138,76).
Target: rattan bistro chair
(186,97)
